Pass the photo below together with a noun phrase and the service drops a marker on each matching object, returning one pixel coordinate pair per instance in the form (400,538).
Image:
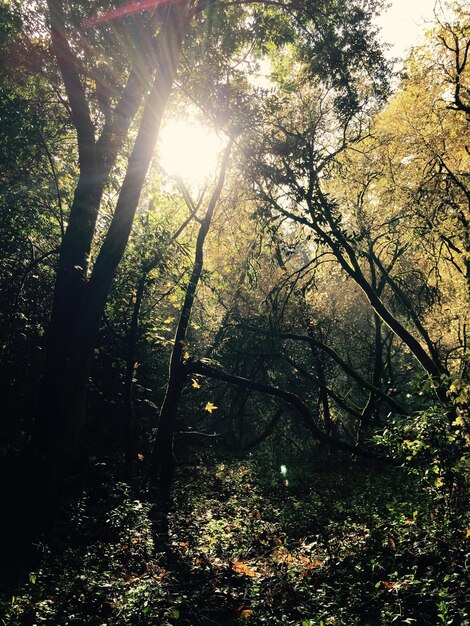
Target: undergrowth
(356,546)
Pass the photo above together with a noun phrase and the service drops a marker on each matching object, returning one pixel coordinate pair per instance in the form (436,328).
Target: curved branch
(199,367)
(266,432)
(348,369)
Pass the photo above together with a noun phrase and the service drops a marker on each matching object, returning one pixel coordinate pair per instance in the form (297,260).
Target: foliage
(364,547)
(336,272)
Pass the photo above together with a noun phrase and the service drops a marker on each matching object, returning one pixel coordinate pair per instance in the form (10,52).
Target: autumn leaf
(242,568)
(281,555)
(310,565)
(242,611)
(210,407)
(195,384)
(140,457)
(391,543)
(202,560)
(389,585)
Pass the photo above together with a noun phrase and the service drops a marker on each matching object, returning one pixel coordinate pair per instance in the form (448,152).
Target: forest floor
(342,546)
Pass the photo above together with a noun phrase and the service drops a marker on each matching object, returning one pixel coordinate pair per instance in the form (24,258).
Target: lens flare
(127,9)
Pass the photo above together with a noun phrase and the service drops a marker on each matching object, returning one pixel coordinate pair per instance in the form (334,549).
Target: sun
(189,150)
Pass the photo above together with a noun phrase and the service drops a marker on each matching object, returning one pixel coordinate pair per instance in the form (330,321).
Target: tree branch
(68,65)
(199,367)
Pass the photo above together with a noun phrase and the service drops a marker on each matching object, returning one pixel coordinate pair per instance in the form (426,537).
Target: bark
(377,373)
(373,401)
(401,295)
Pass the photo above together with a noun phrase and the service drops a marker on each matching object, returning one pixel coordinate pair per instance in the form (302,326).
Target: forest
(234,278)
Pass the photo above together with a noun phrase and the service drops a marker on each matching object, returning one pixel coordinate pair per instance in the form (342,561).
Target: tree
(297,166)
(162,456)
(80,294)
(111,68)
(453,37)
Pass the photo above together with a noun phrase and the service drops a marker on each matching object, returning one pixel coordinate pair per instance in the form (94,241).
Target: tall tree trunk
(131,341)
(78,304)
(162,462)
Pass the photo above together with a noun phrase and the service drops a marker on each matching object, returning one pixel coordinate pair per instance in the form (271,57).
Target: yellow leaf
(210,407)
(195,384)
(140,457)
(186,355)
(439,482)
(468,532)
(459,421)
(242,568)
(168,320)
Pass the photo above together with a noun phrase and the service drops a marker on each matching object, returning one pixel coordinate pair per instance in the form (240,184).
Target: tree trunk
(131,341)
(78,304)
(162,462)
